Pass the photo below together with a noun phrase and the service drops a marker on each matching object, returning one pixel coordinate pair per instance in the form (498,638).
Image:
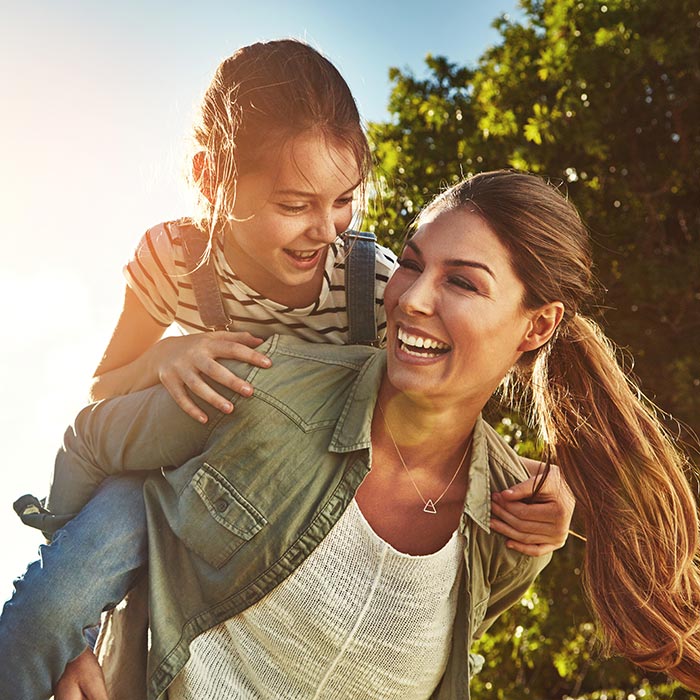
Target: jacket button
(221,505)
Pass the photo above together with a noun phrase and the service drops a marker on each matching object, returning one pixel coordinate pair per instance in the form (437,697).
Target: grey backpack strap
(203,276)
(360,262)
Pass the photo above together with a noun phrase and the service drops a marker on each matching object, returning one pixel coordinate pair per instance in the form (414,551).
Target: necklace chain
(429,504)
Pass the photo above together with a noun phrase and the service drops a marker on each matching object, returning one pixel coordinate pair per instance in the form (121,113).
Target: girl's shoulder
(387,260)
(162,245)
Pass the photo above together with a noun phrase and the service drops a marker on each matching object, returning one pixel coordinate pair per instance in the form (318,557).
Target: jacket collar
(353,432)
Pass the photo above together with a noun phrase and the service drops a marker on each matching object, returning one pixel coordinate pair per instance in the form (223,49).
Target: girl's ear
(201,172)
(543,323)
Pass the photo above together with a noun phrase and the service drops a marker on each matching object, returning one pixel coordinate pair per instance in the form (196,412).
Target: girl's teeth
(303,255)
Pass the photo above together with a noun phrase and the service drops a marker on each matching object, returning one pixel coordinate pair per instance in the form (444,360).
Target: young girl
(347,553)
(280,157)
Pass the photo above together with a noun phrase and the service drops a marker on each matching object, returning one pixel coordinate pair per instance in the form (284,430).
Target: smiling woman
(642,573)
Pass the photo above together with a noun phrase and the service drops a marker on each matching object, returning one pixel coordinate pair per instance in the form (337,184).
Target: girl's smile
(287,216)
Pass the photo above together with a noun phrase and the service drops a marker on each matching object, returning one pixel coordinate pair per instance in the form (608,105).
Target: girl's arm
(145,430)
(138,357)
(534,526)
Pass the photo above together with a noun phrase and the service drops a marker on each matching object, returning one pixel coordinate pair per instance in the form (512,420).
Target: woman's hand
(82,680)
(534,525)
(183,362)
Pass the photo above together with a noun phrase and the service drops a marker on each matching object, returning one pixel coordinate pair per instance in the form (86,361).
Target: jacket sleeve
(145,430)
(509,589)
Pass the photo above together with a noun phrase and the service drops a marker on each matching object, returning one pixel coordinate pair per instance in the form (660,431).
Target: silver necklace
(429,505)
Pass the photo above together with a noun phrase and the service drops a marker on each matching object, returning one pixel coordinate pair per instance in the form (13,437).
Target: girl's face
(456,323)
(286,217)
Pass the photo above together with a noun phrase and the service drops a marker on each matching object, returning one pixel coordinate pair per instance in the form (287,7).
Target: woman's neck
(425,431)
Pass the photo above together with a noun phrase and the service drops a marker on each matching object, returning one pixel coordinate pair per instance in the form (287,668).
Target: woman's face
(456,323)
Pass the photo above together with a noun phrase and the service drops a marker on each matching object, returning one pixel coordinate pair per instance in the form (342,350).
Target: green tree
(604,97)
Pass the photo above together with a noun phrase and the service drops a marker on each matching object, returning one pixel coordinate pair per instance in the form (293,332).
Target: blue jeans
(90,565)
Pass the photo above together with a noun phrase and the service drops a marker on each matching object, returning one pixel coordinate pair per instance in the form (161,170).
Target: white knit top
(357,620)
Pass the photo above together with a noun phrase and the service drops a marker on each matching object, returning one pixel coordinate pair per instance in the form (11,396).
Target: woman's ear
(201,172)
(543,323)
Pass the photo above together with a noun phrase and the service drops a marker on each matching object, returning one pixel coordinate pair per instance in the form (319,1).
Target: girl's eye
(344,201)
(292,208)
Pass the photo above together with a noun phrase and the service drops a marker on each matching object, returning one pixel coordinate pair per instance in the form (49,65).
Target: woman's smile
(418,344)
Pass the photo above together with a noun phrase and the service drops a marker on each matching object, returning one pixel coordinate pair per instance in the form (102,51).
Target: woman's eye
(408,264)
(344,201)
(462,283)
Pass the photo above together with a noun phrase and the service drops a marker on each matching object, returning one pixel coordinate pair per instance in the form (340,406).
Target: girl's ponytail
(640,514)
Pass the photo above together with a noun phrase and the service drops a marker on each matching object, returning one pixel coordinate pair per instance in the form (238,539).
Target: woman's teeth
(420,346)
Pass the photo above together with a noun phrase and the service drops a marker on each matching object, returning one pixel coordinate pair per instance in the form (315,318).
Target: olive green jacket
(256,491)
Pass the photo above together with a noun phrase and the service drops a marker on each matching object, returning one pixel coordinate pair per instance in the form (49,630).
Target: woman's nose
(419,297)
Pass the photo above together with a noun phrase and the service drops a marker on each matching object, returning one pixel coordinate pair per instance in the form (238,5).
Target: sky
(97,98)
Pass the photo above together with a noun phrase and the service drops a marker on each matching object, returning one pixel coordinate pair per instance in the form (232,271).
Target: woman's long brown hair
(628,476)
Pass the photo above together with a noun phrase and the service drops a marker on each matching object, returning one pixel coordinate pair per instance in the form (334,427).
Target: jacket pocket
(217,519)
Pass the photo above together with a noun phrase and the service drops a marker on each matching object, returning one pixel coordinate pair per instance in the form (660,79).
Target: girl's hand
(534,526)
(183,362)
(82,680)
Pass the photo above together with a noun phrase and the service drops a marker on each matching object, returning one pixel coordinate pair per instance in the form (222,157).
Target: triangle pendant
(430,507)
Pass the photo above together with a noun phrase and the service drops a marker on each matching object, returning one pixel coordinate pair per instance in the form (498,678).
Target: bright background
(96,100)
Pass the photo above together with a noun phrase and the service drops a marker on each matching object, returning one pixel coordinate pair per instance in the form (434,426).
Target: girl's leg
(90,565)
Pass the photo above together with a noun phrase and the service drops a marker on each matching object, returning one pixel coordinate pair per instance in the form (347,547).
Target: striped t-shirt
(157,275)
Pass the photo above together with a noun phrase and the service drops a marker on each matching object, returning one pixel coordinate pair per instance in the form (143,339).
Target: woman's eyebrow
(455,262)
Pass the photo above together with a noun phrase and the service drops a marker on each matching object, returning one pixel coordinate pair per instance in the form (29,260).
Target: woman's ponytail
(640,515)
(628,477)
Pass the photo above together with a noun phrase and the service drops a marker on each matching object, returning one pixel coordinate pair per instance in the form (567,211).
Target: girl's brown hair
(628,477)
(259,98)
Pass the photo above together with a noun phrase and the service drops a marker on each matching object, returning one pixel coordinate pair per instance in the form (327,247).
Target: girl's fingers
(539,514)
(242,337)
(222,375)
(190,362)
(547,532)
(176,389)
(220,349)
(533,545)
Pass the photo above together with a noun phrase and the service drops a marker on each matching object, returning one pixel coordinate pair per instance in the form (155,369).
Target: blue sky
(97,98)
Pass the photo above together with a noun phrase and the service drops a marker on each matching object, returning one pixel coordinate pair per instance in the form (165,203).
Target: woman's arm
(138,357)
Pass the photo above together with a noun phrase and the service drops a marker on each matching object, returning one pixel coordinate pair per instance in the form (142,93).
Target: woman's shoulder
(504,463)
